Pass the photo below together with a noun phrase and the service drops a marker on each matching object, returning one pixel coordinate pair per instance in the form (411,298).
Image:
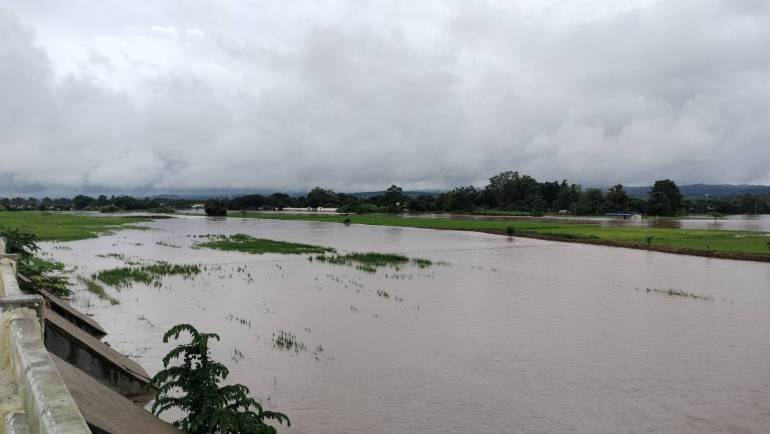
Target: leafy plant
(193,387)
(39,271)
(20,242)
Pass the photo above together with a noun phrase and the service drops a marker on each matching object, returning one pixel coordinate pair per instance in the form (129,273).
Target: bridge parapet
(45,403)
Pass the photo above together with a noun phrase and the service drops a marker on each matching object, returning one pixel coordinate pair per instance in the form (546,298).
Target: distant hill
(700,190)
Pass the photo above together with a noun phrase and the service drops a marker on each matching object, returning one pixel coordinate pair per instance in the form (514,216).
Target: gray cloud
(184,95)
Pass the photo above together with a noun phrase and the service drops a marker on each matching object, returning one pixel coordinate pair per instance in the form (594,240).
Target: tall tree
(394,199)
(591,202)
(616,199)
(318,197)
(665,199)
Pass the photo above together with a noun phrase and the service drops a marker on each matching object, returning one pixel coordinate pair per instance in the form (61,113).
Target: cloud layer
(180,95)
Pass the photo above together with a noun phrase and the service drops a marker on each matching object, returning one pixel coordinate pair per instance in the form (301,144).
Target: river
(510,335)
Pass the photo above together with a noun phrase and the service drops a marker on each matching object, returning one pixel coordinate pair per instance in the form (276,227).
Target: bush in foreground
(193,387)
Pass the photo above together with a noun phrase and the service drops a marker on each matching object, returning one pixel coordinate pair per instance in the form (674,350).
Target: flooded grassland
(470,333)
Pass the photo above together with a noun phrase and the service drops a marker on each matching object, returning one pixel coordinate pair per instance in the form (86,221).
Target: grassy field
(712,243)
(56,226)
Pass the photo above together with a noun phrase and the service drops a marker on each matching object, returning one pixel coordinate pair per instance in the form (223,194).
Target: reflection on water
(758,223)
(513,336)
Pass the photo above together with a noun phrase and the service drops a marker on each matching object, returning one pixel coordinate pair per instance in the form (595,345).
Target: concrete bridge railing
(45,404)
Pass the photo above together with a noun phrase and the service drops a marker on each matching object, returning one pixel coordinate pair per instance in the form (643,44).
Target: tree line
(507,192)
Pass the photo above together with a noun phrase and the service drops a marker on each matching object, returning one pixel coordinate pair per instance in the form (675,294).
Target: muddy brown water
(514,335)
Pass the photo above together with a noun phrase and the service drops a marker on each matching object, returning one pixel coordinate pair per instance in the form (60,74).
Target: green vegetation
(94,287)
(39,272)
(64,226)
(733,244)
(248,244)
(193,387)
(122,277)
(370,261)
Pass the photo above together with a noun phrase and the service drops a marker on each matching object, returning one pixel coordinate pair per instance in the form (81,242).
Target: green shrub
(193,387)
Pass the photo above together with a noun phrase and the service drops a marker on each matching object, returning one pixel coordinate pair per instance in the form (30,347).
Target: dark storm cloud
(435,94)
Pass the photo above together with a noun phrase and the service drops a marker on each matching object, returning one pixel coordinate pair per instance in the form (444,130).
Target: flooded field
(755,223)
(497,335)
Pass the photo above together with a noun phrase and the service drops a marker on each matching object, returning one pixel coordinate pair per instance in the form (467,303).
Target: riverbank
(63,226)
(741,245)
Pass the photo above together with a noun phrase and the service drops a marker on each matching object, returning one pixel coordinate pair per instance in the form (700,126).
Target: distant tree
(194,388)
(665,199)
(567,197)
(102,200)
(659,204)
(280,200)
(422,203)
(215,208)
(509,190)
(249,201)
(318,197)
(459,199)
(46,203)
(549,191)
(394,199)
(591,202)
(616,199)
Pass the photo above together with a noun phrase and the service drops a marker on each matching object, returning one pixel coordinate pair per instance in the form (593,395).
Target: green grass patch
(122,277)
(50,226)
(249,244)
(751,244)
(94,287)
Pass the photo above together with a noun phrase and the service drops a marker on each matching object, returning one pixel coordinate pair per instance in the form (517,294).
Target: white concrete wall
(48,405)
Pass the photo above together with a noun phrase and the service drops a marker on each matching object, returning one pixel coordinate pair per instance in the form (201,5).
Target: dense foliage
(194,388)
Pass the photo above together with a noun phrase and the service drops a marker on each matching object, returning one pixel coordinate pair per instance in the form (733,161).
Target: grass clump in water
(371,261)
(286,341)
(249,244)
(674,292)
(94,287)
(147,274)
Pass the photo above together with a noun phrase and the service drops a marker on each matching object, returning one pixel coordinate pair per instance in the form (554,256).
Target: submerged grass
(148,274)
(249,244)
(286,341)
(371,261)
(50,226)
(94,287)
(674,292)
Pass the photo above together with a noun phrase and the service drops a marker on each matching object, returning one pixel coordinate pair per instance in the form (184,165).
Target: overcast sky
(356,95)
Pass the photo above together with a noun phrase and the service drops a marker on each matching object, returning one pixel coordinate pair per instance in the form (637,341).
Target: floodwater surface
(510,335)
